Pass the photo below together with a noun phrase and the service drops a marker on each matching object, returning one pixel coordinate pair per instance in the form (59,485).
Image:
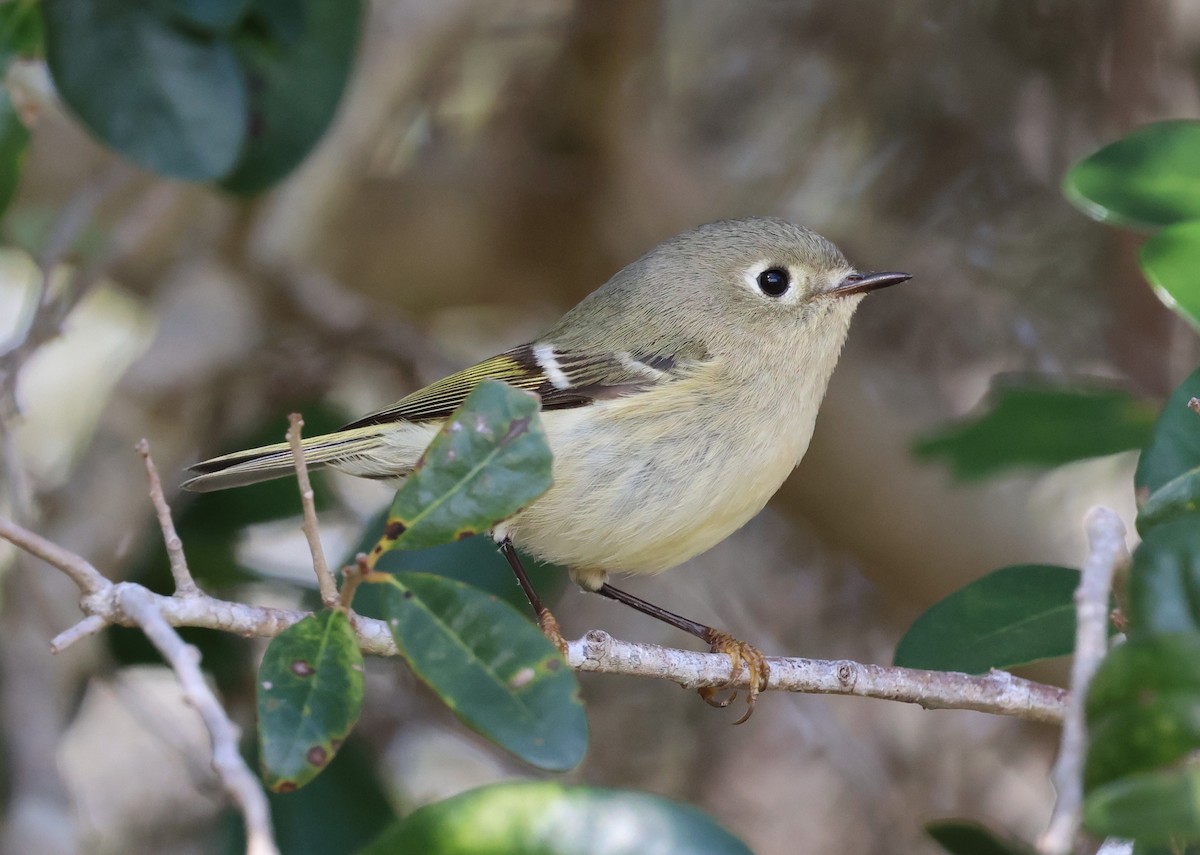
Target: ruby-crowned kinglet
(676,399)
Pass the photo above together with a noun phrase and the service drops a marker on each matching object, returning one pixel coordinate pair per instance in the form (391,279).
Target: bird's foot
(548,624)
(741,655)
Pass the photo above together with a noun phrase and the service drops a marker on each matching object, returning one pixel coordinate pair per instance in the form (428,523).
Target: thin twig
(185,585)
(240,783)
(325,580)
(1107,553)
(82,573)
(352,577)
(997,693)
(89,626)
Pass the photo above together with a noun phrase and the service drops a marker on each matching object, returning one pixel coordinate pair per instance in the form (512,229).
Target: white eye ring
(775,282)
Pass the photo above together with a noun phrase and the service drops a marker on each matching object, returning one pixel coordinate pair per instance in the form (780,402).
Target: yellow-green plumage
(676,399)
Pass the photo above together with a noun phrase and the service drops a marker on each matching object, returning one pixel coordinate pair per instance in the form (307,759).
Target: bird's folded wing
(561,378)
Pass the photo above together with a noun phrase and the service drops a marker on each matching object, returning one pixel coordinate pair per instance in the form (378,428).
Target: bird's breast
(645,482)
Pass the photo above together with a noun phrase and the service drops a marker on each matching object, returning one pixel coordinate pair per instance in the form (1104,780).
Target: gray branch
(1107,554)
(999,692)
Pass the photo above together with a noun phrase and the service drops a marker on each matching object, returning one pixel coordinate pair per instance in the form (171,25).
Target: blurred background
(491,163)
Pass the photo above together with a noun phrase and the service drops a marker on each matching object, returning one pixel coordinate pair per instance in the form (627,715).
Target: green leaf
(962,837)
(1164,580)
(1009,617)
(1171,262)
(343,810)
(1153,807)
(1173,848)
(211,16)
(475,561)
(1147,179)
(1030,421)
(21,32)
(489,461)
(238,90)
(310,691)
(491,667)
(170,100)
(548,818)
(1143,707)
(1175,499)
(1174,446)
(14,140)
(1132,668)
(296,57)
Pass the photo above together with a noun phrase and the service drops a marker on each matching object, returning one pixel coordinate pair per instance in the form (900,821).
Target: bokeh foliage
(1143,707)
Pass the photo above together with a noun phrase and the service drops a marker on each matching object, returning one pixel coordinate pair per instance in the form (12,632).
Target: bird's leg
(545,620)
(739,652)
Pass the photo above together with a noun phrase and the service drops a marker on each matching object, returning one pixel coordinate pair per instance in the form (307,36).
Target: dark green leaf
(1164,579)
(14,140)
(1149,178)
(310,690)
(284,21)
(1030,422)
(492,668)
(344,809)
(1175,499)
(1171,262)
(1121,678)
(168,99)
(475,560)
(1009,617)
(1174,848)
(211,16)
(547,818)
(1143,736)
(296,57)
(239,90)
(961,837)
(1153,807)
(1144,706)
(1174,446)
(489,460)
(21,32)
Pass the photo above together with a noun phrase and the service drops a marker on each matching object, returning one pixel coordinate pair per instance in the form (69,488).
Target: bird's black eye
(774,281)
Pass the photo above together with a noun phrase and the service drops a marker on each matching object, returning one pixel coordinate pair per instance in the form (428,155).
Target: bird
(676,399)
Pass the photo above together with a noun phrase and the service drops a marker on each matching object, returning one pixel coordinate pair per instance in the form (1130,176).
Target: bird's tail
(275,461)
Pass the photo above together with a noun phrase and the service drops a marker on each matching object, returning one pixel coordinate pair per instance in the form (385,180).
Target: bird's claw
(548,624)
(741,655)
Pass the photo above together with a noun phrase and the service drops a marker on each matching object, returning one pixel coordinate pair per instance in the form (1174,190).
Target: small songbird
(676,399)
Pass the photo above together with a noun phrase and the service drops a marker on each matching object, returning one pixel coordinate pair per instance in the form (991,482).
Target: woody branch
(998,692)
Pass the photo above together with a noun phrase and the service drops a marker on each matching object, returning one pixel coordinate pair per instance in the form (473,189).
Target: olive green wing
(386,444)
(561,378)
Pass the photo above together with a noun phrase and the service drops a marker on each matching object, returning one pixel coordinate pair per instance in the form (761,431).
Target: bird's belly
(645,507)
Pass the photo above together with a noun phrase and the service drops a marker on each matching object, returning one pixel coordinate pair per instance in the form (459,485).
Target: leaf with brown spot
(310,691)
(471,480)
(492,667)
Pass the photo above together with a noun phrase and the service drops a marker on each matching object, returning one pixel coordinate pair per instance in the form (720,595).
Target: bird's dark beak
(862,283)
